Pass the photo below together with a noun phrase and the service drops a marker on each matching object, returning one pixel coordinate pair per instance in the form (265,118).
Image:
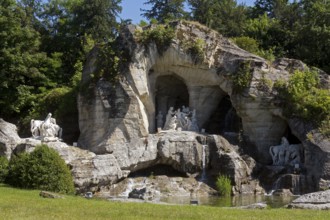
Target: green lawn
(27,204)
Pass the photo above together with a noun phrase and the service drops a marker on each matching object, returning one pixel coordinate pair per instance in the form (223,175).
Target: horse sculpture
(286,154)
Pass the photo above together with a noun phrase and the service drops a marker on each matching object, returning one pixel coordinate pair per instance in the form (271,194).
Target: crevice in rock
(158,170)
(291,137)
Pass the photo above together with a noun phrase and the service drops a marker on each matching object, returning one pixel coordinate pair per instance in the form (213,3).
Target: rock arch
(207,82)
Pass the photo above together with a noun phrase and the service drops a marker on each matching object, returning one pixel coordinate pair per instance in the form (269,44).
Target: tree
(96,18)
(225,16)
(273,8)
(42,169)
(25,71)
(164,10)
(312,43)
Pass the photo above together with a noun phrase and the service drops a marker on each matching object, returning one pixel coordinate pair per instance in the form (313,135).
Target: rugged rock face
(317,200)
(8,138)
(120,118)
(184,152)
(125,112)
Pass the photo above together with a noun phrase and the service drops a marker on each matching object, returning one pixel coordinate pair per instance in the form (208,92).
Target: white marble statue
(194,125)
(173,123)
(181,120)
(285,154)
(169,116)
(46,130)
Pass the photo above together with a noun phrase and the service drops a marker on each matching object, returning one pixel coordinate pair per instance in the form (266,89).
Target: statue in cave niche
(169,116)
(286,154)
(194,125)
(184,120)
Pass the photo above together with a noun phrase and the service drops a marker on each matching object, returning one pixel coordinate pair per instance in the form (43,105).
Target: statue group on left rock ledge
(46,130)
(181,119)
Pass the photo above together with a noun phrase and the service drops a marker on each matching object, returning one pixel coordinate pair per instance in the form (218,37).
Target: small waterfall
(296,185)
(274,187)
(129,188)
(203,178)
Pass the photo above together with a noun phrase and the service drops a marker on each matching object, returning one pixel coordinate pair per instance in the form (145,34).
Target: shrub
(3,168)
(42,169)
(223,184)
(242,78)
(196,49)
(251,45)
(304,99)
(162,35)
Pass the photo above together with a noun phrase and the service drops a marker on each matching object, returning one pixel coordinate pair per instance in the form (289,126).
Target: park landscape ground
(27,204)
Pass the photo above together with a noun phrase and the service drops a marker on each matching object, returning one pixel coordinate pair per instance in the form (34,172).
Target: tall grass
(223,184)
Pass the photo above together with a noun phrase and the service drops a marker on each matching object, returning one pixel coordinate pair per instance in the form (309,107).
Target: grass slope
(27,204)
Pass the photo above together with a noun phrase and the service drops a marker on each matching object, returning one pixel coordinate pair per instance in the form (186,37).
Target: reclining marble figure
(46,130)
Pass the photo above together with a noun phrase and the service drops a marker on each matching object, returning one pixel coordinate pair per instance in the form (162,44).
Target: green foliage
(196,49)
(164,10)
(223,184)
(225,16)
(96,18)
(24,70)
(143,23)
(251,45)
(160,34)
(242,78)
(304,98)
(110,61)
(42,169)
(3,168)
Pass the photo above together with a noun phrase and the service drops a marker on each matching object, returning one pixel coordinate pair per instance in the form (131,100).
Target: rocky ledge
(317,201)
(187,157)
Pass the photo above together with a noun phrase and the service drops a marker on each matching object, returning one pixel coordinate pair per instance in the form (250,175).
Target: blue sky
(131,9)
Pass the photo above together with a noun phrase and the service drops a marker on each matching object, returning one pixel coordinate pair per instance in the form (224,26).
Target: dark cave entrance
(171,91)
(291,137)
(224,119)
(158,170)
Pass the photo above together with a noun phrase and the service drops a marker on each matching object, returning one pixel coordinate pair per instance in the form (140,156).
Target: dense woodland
(43,44)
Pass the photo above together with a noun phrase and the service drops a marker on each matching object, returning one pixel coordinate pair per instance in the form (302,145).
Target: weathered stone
(159,187)
(317,200)
(181,150)
(225,160)
(9,138)
(254,206)
(50,195)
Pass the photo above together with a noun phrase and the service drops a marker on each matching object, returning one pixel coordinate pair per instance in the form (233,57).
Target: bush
(223,184)
(3,168)
(196,49)
(162,35)
(242,78)
(251,45)
(42,169)
(304,99)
